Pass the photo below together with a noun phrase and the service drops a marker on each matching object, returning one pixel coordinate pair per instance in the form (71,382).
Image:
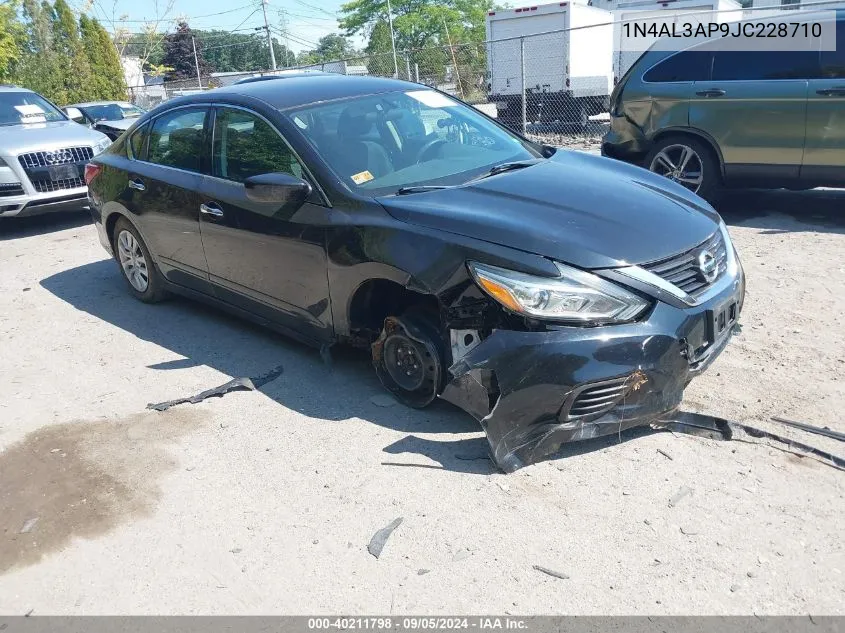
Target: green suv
(711,119)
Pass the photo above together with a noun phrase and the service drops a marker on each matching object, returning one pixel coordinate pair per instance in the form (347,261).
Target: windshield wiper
(404,191)
(503,167)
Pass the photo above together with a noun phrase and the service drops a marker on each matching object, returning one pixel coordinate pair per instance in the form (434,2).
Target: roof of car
(297,90)
(96,103)
(13,88)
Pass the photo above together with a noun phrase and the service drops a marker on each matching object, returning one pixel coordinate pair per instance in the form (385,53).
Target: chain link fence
(551,86)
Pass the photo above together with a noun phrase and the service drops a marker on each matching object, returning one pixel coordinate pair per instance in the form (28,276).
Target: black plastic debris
(236,384)
(809,428)
(379,539)
(551,572)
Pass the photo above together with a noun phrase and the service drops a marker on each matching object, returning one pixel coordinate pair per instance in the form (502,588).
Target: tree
(333,46)
(235,52)
(379,50)
(179,54)
(419,24)
(73,61)
(147,44)
(11,40)
(108,81)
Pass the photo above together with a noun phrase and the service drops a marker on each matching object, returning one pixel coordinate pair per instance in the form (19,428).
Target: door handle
(712,92)
(134,183)
(831,92)
(211,209)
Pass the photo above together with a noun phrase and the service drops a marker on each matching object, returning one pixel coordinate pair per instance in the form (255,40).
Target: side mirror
(75,114)
(279,188)
(548,151)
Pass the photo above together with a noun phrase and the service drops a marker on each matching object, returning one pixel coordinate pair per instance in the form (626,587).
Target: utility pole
(196,61)
(454,61)
(269,36)
(284,17)
(392,41)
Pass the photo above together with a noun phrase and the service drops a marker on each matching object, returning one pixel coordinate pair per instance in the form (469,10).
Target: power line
(195,17)
(316,8)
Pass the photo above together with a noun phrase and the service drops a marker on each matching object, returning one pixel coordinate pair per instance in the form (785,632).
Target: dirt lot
(264,502)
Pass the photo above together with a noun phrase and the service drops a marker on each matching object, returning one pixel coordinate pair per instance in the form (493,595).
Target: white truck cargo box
(564,50)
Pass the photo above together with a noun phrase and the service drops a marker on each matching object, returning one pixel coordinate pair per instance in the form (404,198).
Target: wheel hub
(404,363)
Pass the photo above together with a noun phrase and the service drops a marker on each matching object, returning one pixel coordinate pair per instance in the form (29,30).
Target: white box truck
(659,12)
(566,60)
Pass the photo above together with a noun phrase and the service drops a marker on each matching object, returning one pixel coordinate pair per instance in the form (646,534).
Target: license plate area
(63,172)
(722,319)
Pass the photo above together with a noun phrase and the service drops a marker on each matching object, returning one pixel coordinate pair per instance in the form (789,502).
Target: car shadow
(342,389)
(14,228)
(784,211)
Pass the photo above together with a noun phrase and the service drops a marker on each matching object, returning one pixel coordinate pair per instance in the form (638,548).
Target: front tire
(409,359)
(136,265)
(689,162)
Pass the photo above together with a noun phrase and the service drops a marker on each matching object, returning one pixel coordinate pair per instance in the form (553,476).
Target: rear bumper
(533,391)
(624,141)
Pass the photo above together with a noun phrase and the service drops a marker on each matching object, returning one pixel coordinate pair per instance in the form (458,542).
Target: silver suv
(42,155)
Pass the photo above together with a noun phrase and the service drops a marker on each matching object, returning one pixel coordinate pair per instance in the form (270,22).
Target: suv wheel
(688,162)
(136,265)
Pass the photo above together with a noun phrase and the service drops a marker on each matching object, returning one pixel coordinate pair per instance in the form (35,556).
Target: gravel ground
(264,502)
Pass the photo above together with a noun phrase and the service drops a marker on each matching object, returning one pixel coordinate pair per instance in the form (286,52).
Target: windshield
(27,107)
(112,112)
(378,144)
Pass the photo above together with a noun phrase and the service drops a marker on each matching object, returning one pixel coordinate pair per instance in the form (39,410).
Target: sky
(307,20)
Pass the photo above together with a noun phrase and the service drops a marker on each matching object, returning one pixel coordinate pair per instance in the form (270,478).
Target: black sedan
(553,295)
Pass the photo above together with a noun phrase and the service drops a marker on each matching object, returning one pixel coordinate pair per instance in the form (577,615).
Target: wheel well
(709,143)
(376,299)
(111,221)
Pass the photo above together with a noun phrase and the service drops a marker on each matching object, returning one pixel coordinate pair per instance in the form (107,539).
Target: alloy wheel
(679,163)
(132,261)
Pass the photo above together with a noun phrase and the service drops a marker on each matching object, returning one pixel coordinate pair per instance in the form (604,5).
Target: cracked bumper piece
(533,391)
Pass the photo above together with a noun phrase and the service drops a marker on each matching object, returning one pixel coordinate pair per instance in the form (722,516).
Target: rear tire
(136,265)
(689,162)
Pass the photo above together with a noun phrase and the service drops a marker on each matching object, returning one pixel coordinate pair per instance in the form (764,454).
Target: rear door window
(137,142)
(683,66)
(764,65)
(177,139)
(833,62)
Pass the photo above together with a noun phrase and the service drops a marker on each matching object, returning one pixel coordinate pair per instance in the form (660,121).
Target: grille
(11,189)
(683,270)
(44,186)
(56,157)
(597,398)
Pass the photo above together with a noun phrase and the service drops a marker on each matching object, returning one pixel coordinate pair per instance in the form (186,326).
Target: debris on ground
(461,555)
(719,428)
(376,544)
(809,428)
(665,454)
(29,525)
(682,492)
(423,572)
(383,400)
(688,531)
(551,572)
(236,384)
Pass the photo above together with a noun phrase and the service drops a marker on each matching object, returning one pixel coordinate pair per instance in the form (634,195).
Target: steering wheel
(426,149)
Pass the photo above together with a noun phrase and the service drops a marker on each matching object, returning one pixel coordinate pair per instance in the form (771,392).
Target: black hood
(585,210)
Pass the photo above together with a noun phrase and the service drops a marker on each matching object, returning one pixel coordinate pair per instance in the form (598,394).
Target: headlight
(576,296)
(100,147)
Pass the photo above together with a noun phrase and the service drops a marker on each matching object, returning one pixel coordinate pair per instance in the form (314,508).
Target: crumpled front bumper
(523,387)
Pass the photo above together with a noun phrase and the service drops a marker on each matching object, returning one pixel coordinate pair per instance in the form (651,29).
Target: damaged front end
(535,388)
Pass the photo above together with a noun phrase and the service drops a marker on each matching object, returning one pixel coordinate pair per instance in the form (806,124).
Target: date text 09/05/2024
(416,623)
(723,29)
